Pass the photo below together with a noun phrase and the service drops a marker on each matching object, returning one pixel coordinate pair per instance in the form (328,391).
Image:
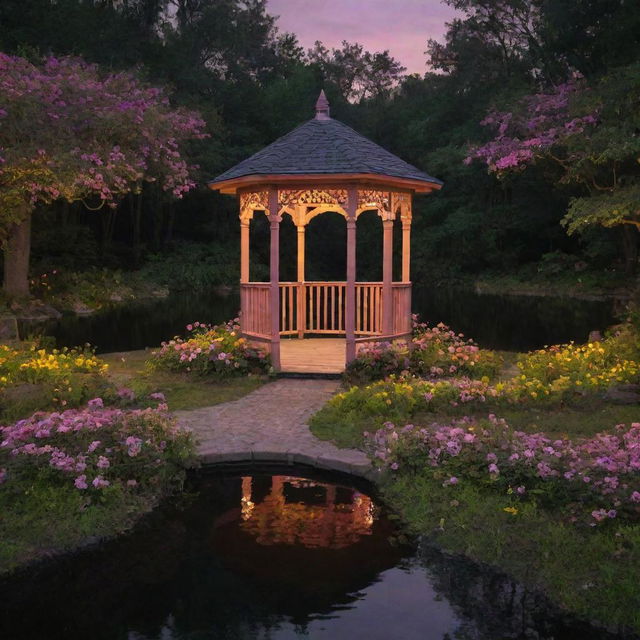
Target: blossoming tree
(71,130)
(592,134)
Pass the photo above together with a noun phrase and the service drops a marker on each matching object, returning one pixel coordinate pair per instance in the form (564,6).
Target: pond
(513,323)
(271,556)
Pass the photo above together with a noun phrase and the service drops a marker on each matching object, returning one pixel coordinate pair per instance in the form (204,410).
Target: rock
(81,308)
(34,310)
(8,329)
(595,336)
(624,394)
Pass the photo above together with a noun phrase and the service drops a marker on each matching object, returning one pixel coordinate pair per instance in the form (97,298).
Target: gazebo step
(310,375)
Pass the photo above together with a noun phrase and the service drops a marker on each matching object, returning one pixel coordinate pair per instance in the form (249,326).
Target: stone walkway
(270,425)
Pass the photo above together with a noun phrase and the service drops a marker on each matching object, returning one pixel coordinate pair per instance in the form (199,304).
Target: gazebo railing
(319,308)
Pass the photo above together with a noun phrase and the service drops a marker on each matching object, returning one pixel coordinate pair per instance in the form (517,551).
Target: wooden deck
(312,355)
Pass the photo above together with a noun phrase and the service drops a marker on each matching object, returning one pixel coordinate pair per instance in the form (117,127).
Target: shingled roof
(324,146)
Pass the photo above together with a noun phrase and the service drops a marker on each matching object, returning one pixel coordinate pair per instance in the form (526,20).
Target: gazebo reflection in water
(324,166)
(298,511)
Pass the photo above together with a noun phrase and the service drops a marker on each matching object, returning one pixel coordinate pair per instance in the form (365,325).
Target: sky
(402,26)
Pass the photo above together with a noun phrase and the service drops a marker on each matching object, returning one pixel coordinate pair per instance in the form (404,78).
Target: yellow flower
(512,510)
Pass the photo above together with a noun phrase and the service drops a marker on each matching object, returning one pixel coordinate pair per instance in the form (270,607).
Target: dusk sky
(402,26)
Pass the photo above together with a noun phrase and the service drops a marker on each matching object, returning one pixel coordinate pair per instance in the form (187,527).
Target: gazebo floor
(312,355)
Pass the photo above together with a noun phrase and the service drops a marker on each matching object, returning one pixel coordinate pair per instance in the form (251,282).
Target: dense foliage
(252,83)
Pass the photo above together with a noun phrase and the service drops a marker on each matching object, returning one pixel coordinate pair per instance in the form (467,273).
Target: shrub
(435,352)
(48,378)
(591,366)
(216,351)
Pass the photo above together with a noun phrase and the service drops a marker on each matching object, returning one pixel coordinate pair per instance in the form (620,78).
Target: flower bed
(34,378)
(593,480)
(93,448)
(595,365)
(81,474)
(435,352)
(216,351)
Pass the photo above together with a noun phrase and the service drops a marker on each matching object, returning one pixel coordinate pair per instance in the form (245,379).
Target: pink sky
(402,26)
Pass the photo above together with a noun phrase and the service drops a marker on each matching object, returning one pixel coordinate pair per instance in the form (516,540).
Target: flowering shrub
(406,396)
(591,366)
(435,352)
(94,448)
(593,480)
(377,360)
(67,376)
(217,351)
(439,351)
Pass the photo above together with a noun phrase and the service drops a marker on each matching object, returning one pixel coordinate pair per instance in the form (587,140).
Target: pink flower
(93,446)
(103,463)
(99,482)
(635,496)
(81,482)
(96,403)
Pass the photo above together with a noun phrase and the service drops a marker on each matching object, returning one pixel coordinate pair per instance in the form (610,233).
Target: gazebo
(324,166)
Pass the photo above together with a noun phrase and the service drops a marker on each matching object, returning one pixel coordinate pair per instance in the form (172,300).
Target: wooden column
(387,275)
(301,310)
(244,251)
(406,250)
(274,270)
(350,297)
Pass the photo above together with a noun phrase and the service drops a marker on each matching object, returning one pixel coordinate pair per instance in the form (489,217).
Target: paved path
(270,425)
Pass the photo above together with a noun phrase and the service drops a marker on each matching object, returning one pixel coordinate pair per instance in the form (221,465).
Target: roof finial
(322,107)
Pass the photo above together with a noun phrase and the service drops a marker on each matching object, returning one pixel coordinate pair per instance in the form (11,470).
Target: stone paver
(270,425)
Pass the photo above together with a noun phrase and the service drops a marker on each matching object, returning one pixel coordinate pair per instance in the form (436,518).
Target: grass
(50,520)
(579,419)
(181,390)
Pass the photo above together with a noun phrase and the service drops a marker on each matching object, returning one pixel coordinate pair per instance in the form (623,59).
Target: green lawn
(181,390)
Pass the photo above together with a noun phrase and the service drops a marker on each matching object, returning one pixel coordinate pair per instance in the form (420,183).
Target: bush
(36,378)
(216,351)
(592,366)
(435,352)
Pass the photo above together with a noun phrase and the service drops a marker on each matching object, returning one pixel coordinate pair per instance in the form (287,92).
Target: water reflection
(262,557)
(301,511)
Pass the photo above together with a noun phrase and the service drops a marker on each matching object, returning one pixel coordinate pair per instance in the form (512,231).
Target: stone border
(321,462)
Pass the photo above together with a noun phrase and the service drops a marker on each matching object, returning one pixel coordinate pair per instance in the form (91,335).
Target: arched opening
(288,250)
(326,248)
(369,247)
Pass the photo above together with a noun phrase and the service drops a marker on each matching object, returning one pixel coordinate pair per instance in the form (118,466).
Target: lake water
(271,556)
(514,323)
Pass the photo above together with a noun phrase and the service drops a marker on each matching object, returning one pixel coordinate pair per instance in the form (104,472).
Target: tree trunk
(16,259)
(630,248)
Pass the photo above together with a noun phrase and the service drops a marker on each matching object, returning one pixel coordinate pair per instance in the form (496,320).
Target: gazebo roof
(328,148)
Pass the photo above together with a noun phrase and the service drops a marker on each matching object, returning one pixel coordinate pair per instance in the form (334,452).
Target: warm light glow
(281,520)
